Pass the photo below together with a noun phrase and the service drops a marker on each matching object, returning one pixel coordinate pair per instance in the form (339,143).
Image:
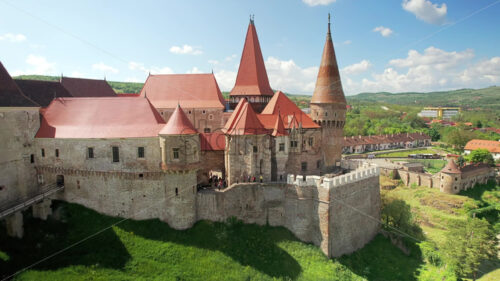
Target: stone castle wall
(18,127)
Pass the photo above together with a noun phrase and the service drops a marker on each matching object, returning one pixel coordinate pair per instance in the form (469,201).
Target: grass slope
(146,250)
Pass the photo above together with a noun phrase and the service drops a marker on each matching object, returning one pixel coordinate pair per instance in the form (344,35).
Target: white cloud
(439,59)
(214,62)
(287,76)
(14,38)
(431,70)
(104,68)
(318,2)
(186,50)
(384,31)
(153,69)
(194,70)
(357,68)
(426,10)
(231,57)
(225,79)
(347,42)
(37,65)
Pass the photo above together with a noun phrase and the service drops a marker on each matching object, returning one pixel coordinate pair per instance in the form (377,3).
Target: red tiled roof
(42,92)
(451,168)
(491,146)
(178,124)
(212,141)
(188,90)
(381,139)
(80,87)
(104,117)
(328,85)
(292,122)
(127,95)
(279,129)
(244,121)
(10,94)
(252,76)
(282,104)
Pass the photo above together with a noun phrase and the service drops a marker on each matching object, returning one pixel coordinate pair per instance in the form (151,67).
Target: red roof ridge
(178,124)
(244,121)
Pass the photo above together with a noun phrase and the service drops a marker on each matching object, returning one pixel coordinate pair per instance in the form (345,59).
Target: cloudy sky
(390,45)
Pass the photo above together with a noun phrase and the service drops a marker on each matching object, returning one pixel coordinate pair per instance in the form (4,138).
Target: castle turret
(252,82)
(328,105)
(451,178)
(180,154)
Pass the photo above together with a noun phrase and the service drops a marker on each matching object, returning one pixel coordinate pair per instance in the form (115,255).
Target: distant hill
(486,98)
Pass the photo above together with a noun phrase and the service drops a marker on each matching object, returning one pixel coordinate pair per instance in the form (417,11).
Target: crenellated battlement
(363,172)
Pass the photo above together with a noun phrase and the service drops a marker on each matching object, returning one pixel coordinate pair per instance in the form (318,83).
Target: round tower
(328,105)
(180,154)
(451,178)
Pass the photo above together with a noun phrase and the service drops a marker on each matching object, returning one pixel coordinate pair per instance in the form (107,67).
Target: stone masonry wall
(18,127)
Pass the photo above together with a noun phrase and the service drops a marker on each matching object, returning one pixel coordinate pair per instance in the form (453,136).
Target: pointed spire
(252,77)
(178,124)
(279,128)
(451,168)
(244,121)
(328,84)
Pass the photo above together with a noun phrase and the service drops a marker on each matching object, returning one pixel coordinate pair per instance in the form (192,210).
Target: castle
(147,156)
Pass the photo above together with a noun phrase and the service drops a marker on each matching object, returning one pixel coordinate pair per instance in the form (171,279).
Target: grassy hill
(147,250)
(467,98)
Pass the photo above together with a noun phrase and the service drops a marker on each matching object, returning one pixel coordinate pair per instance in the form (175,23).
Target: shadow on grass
(44,238)
(477,192)
(381,260)
(249,245)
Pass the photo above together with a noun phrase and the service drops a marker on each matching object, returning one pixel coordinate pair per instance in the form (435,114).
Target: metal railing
(21,203)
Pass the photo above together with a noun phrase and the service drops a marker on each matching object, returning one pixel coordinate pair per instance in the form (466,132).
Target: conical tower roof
(279,128)
(252,76)
(328,85)
(244,121)
(451,168)
(178,124)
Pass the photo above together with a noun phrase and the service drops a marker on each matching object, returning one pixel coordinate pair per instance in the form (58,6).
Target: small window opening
(140,152)
(255,148)
(116,154)
(32,158)
(90,152)
(57,153)
(43,152)
(175,152)
(282,147)
(206,130)
(303,166)
(141,176)
(176,191)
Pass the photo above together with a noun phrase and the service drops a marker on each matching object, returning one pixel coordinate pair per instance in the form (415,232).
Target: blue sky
(390,45)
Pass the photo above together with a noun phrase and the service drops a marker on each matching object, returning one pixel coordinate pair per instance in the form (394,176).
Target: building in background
(492,146)
(445,113)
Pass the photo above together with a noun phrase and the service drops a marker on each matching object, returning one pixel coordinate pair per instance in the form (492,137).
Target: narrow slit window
(116,154)
(140,152)
(90,152)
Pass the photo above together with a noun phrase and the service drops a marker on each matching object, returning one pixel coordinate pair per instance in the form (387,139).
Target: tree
(467,244)
(478,124)
(461,161)
(396,214)
(457,137)
(481,155)
(434,134)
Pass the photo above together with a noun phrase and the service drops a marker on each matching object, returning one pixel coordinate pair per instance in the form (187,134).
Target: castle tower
(279,150)
(451,178)
(247,146)
(328,105)
(251,82)
(180,154)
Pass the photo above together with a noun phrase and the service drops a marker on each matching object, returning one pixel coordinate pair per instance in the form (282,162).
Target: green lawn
(405,153)
(435,211)
(146,250)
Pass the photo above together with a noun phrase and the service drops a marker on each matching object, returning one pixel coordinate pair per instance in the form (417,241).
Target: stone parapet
(363,172)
